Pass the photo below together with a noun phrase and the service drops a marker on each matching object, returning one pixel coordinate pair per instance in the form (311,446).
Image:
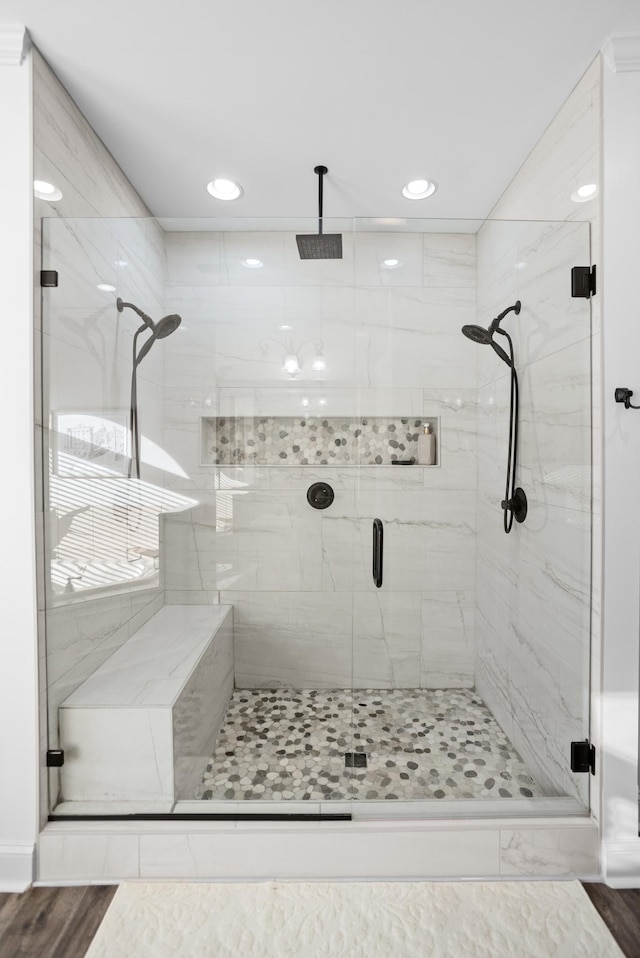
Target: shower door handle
(378,541)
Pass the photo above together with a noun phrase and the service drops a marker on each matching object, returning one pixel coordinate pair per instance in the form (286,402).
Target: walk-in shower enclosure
(214,643)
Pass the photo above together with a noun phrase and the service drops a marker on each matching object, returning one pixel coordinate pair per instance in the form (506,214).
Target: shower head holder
(518,504)
(120,306)
(495,324)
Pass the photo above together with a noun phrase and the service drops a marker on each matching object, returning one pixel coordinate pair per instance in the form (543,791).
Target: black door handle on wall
(378,540)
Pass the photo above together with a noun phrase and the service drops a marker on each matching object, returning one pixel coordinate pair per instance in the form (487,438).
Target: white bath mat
(353,920)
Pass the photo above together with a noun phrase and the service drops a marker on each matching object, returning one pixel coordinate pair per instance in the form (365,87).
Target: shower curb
(103,851)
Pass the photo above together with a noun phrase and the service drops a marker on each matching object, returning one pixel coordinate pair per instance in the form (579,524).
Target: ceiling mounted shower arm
(320,245)
(321,171)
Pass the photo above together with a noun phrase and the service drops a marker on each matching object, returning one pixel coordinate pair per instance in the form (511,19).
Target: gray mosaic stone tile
(312,441)
(284,744)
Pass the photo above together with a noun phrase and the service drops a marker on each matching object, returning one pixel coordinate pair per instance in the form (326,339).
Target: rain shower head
(319,245)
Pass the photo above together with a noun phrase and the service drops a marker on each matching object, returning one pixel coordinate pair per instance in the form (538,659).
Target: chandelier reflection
(294,360)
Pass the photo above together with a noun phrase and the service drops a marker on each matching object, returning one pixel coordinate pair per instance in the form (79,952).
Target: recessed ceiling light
(391,263)
(46,191)
(121,262)
(252,263)
(418,189)
(224,189)
(106,288)
(585,193)
(285,326)
(322,402)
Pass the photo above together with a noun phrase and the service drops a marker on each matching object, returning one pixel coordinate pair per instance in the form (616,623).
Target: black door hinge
(55,758)
(583,757)
(48,277)
(583,282)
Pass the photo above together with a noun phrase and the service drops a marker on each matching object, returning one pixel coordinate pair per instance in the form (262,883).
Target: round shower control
(320,495)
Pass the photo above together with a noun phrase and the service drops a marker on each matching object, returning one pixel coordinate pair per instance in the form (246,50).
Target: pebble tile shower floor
(420,744)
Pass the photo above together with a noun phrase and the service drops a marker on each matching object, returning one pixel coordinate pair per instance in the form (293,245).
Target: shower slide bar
(378,540)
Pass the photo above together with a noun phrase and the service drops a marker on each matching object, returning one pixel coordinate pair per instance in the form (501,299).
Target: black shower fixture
(485,336)
(514,504)
(160,330)
(320,245)
(622,394)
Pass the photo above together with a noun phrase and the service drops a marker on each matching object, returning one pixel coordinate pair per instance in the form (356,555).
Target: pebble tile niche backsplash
(268,441)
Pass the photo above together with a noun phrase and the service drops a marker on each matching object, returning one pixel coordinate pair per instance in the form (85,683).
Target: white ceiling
(182,91)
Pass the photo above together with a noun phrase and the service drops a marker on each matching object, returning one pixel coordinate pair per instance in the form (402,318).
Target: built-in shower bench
(142,725)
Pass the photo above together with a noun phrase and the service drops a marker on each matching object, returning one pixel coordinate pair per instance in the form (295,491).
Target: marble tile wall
(299,579)
(86,359)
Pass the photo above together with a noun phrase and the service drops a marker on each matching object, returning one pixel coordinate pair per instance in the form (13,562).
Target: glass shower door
(472,654)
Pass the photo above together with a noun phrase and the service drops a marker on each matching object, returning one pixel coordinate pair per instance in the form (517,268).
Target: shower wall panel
(533,586)
(85,370)
(299,579)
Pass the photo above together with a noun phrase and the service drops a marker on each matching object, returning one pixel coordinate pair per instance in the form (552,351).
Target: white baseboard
(621,865)
(16,866)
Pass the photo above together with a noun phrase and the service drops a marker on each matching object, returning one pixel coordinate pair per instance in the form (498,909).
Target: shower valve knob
(320,495)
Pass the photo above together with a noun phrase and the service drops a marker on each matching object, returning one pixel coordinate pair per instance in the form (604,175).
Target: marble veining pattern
(312,440)
(420,744)
(152,667)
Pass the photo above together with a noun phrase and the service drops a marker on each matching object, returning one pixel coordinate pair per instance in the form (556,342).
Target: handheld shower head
(478,334)
(160,330)
(167,325)
(514,504)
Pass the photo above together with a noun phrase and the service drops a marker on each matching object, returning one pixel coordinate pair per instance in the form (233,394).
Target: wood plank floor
(61,922)
(52,922)
(620,910)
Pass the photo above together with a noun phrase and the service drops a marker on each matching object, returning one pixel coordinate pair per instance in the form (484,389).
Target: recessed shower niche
(318,440)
